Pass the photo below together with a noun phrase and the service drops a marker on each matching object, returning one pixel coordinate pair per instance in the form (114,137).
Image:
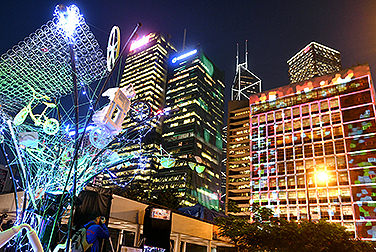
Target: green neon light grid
(42,61)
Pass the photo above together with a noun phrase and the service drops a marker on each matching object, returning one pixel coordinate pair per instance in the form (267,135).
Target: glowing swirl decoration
(113,47)
(42,61)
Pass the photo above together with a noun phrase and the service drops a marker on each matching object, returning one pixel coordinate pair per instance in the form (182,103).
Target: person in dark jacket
(96,229)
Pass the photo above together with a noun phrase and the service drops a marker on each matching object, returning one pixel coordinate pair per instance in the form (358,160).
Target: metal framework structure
(245,82)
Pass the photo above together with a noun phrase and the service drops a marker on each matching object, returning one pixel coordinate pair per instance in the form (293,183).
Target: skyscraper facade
(245,84)
(313,150)
(238,163)
(193,135)
(146,69)
(314,60)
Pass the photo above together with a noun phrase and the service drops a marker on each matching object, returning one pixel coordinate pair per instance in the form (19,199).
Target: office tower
(146,69)
(222,199)
(314,60)
(238,165)
(313,150)
(193,135)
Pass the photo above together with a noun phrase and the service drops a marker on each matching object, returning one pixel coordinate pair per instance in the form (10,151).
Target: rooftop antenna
(237,55)
(245,82)
(184,36)
(246,53)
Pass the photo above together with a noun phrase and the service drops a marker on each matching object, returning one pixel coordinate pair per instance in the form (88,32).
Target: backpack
(79,241)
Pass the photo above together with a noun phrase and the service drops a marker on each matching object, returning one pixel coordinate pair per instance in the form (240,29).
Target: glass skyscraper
(193,134)
(314,60)
(146,69)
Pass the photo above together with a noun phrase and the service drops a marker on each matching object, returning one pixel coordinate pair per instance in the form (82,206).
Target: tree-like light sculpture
(42,64)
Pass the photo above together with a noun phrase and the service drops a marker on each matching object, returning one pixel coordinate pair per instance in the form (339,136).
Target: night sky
(275,30)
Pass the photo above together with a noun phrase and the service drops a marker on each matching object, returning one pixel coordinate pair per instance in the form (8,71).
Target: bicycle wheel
(51,126)
(140,111)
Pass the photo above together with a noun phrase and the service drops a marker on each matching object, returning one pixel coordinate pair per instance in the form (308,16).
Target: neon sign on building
(183,56)
(138,43)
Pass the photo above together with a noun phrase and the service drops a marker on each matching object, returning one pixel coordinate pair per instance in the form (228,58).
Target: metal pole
(77,115)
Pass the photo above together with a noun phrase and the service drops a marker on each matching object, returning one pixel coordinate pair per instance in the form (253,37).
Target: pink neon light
(138,43)
(307,49)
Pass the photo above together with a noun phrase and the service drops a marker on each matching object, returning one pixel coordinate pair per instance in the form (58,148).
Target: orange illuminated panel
(330,85)
(358,113)
(356,99)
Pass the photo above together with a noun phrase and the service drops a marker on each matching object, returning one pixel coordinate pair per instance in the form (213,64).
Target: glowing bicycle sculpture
(50,125)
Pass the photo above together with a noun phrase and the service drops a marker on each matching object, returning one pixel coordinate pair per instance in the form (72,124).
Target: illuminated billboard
(183,56)
(139,43)
(161,214)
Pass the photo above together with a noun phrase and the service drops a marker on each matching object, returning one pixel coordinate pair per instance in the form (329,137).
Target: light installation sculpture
(42,61)
(37,73)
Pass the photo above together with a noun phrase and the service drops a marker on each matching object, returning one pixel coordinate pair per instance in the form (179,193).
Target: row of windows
(300,166)
(364,115)
(277,153)
(314,109)
(334,179)
(332,212)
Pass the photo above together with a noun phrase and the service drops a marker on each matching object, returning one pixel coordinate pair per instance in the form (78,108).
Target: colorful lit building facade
(146,69)
(312,61)
(314,150)
(194,133)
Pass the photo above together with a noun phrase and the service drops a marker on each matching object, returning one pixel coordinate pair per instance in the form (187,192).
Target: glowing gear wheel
(140,111)
(99,137)
(51,126)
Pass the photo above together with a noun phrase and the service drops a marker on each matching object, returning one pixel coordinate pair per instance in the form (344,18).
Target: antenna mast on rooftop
(245,82)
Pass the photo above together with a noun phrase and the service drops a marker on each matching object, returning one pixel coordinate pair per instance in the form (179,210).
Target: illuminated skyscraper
(313,150)
(146,69)
(193,135)
(314,60)
(237,164)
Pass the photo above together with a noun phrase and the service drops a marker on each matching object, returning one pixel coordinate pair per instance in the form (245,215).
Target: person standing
(96,229)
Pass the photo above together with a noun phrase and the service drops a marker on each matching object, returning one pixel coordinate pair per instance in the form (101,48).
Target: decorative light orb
(200,168)
(100,137)
(192,165)
(168,162)
(68,19)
